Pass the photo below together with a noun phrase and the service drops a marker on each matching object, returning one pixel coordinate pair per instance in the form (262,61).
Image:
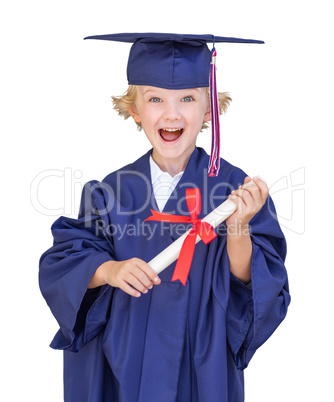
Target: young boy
(127,334)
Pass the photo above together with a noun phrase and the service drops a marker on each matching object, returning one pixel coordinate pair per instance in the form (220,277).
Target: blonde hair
(124,102)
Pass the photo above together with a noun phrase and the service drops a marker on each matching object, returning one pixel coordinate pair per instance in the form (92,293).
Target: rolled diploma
(172,252)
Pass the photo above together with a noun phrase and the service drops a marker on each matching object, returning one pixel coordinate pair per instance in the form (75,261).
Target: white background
(58,130)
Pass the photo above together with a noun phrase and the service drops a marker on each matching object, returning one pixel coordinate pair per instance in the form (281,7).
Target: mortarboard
(177,61)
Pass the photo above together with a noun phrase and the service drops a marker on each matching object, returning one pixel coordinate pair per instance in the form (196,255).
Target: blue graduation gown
(176,343)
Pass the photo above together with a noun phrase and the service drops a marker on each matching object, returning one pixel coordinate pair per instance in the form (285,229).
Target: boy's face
(171,120)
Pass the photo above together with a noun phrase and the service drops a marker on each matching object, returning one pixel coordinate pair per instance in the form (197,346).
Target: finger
(129,289)
(254,193)
(248,183)
(236,197)
(259,193)
(142,277)
(262,185)
(246,196)
(151,274)
(136,283)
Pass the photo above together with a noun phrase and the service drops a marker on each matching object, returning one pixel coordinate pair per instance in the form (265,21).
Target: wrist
(101,275)
(238,230)
(103,271)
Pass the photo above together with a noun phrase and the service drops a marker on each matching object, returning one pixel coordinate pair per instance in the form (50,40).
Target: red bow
(203,229)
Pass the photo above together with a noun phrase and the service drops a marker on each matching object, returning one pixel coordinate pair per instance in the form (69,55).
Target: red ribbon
(203,229)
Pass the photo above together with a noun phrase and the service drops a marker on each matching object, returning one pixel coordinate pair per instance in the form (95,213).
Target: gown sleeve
(254,312)
(80,246)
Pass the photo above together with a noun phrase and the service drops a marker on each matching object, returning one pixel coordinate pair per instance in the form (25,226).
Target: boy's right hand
(133,276)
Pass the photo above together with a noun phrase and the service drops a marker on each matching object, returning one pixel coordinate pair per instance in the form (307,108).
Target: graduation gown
(175,343)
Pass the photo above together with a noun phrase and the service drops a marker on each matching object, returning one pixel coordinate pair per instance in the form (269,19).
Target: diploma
(214,218)
(172,252)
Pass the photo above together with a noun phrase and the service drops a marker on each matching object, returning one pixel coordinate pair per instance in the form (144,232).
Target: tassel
(214,162)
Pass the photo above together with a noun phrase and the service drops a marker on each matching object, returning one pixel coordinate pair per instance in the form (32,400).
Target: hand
(132,276)
(249,199)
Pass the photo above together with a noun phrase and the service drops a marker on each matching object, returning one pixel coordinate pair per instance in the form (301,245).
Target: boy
(137,336)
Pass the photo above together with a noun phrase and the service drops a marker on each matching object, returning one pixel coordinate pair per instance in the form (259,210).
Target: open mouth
(170,134)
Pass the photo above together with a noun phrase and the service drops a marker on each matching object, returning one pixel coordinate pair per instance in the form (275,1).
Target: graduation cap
(177,61)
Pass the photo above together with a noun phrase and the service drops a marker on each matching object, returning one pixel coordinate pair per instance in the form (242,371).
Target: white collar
(156,172)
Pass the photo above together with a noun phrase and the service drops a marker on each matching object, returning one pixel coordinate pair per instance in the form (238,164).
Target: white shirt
(163,184)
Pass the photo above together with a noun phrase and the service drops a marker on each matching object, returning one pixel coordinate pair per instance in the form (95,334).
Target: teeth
(171,130)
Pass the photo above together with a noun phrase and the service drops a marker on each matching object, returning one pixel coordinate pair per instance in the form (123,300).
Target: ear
(134,114)
(207,116)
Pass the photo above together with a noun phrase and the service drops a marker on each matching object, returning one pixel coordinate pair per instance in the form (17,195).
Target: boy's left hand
(249,199)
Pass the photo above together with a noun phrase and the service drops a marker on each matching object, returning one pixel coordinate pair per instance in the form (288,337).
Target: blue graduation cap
(176,61)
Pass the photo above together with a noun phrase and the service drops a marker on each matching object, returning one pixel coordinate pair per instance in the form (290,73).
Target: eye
(187,99)
(155,100)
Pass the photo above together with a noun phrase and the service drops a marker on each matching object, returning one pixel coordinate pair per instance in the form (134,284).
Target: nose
(172,111)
